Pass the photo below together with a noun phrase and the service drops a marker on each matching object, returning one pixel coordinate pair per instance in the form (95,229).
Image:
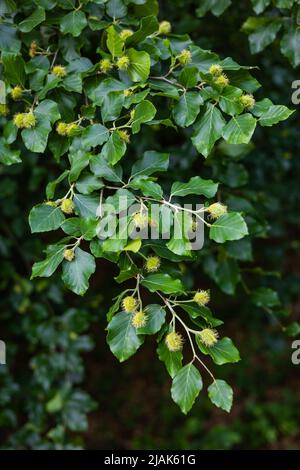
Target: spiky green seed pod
(216,210)
(139,319)
(69,254)
(184,57)
(208,337)
(202,297)
(129,303)
(67,206)
(174,341)
(59,71)
(123,63)
(152,264)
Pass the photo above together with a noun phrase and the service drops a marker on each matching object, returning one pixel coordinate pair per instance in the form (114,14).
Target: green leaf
(208,129)
(47,109)
(196,185)
(264,34)
(86,206)
(221,394)
(147,187)
(144,112)
(88,183)
(228,227)
(275,114)
(45,268)
(37,17)
(73,23)
(14,68)
(155,319)
(229,101)
(51,186)
(36,138)
(148,25)
(260,5)
(187,109)
(151,162)
(101,167)
(186,386)
(116,9)
(43,218)
(114,149)
(76,273)
(164,283)
(7,155)
(114,42)
(172,360)
(139,67)
(189,77)
(265,297)
(112,105)
(94,135)
(217,7)
(122,338)
(239,129)
(290,45)
(222,352)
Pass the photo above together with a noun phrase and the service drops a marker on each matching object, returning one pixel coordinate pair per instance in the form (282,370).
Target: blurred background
(62,388)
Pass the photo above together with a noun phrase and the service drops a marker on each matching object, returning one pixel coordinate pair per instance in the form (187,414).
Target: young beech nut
(247,101)
(164,27)
(123,62)
(16,92)
(69,254)
(139,319)
(184,57)
(202,297)
(215,69)
(126,33)
(222,81)
(216,210)
(67,206)
(129,303)
(152,264)
(105,65)
(174,341)
(59,71)
(208,337)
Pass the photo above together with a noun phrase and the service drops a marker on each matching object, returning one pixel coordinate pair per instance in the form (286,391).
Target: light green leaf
(164,283)
(228,227)
(139,67)
(43,218)
(76,273)
(94,135)
(172,360)
(196,185)
(144,112)
(102,168)
(114,149)
(239,129)
(122,337)
(229,101)
(114,42)
(221,394)
(116,9)
(187,109)
(208,129)
(264,35)
(37,17)
(186,386)
(36,138)
(222,352)
(148,25)
(86,206)
(45,268)
(47,109)
(151,162)
(275,114)
(147,187)
(155,319)
(73,23)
